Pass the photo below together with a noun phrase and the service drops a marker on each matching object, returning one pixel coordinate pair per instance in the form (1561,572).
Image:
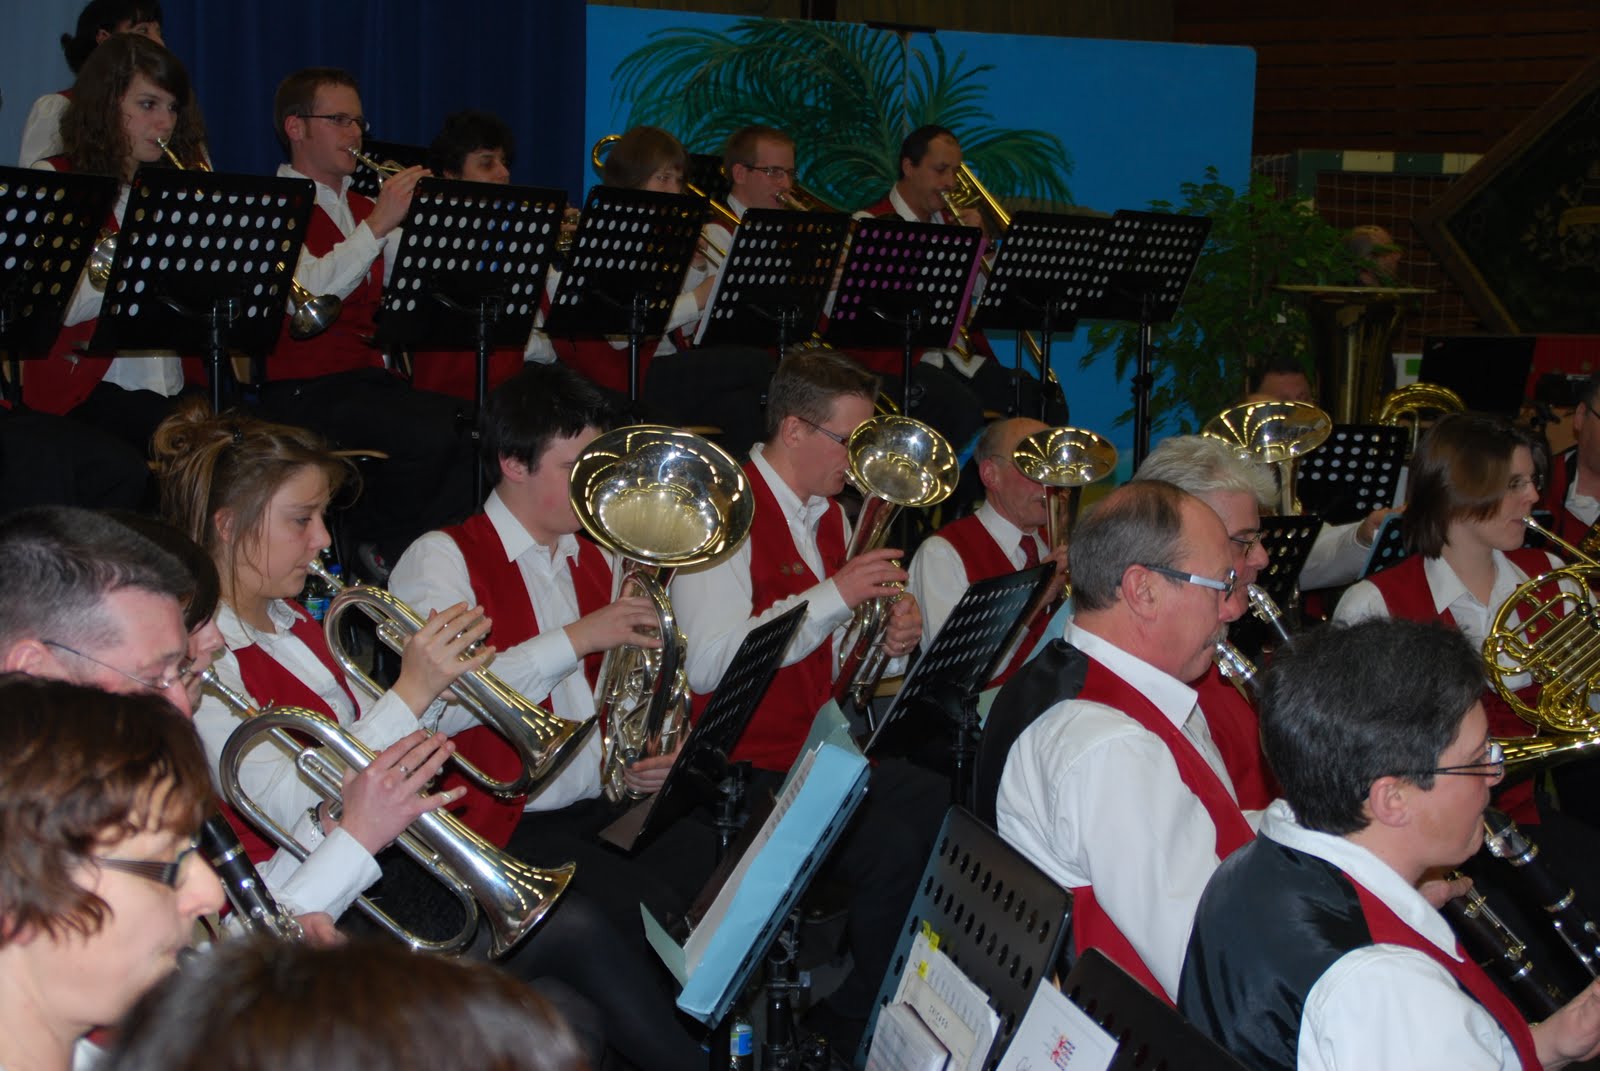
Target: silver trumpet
(514,896)
(545,742)
(661,499)
(894,462)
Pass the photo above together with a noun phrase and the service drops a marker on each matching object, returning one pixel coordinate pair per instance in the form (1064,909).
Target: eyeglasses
(1224,586)
(1494,764)
(165,873)
(1248,543)
(177,679)
(773,171)
(342,120)
(842,440)
(1522,483)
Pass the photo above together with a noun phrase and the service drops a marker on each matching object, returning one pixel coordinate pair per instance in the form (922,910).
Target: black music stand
(627,264)
(204,263)
(776,279)
(1288,543)
(702,770)
(904,284)
(49,222)
(1353,473)
(1051,271)
(999,918)
(1149,1031)
(963,659)
(367,181)
(1155,253)
(707,175)
(1388,546)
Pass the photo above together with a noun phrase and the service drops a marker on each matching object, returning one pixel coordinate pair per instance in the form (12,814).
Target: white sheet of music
(901,1041)
(1056,1033)
(948,1003)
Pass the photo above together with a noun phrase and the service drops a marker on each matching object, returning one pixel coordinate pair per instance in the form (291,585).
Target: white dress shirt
(1337,557)
(1388,1005)
(1093,798)
(343,267)
(938,575)
(1581,506)
(41,132)
(432,575)
(714,605)
(267,773)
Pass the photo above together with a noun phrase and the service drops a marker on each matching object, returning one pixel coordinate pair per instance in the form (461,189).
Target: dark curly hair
(91,130)
(106,16)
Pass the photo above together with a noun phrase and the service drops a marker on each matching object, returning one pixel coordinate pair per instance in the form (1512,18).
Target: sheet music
(1057,1034)
(949,1003)
(902,1042)
(694,948)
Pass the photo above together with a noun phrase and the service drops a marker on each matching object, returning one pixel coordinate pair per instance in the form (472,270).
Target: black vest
(1053,676)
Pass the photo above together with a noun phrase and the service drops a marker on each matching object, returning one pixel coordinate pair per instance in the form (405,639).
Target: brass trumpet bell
(1414,405)
(1273,433)
(1064,459)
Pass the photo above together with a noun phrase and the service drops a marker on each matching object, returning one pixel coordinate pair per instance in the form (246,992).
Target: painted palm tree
(848,94)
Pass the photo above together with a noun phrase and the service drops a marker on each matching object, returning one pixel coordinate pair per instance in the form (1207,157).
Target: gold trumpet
(508,894)
(895,462)
(386,168)
(544,741)
(661,499)
(312,313)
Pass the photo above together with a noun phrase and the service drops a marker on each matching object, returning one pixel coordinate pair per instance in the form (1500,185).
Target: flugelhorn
(311,313)
(544,741)
(509,895)
(386,168)
(661,499)
(1274,433)
(895,462)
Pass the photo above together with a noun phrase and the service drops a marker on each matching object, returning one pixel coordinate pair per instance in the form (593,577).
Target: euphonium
(661,499)
(1274,433)
(1549,630)
(1064,461)
(544,740)
(312,313)
(894,462)
(514,896)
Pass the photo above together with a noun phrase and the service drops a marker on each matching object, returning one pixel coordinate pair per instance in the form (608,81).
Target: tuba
(1273,433)
(545,742)
(312,314)
(661,499)
(514,896)
(894,462)
(1549,629)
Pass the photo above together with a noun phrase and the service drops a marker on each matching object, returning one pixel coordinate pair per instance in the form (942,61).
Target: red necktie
(1030,551)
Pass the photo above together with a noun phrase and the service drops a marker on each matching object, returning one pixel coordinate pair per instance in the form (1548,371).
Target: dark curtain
(417,61)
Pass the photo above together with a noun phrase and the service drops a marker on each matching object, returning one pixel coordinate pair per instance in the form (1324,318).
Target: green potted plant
(1232,314)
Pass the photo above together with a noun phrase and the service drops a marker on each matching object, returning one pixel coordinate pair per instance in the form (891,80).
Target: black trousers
(49,460)
(425,482)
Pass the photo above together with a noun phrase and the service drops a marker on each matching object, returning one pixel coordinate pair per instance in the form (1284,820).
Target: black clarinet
(243,885)
(1578,931)
(1497,948)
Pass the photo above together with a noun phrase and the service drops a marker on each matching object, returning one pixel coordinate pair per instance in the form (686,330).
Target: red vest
(271,683)
(1387,928)
(1405,592)
(63,379)
(498,586)
(1092,926)
(455,372)
(597,360)
(343,346)
(1236,730)
(773,739)
(984,559)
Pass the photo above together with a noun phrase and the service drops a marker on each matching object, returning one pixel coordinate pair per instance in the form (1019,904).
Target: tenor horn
(544,741)
(510,896)
(660,499)
(1274,433)
(311,314)
(895,462)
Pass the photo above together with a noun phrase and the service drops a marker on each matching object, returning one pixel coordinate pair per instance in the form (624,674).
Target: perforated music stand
(1051,270)
(776,279)
(1156,253)
(702,767)
(627,264)
(1288,543)
(1388,546)
(1353,473)
(49,222)
(367,181)
(964,657)
(707,175)
(904,284)
(204,263)
(999,918)
(1149,1031)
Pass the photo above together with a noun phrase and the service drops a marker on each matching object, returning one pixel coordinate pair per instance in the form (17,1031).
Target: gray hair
(1137,524)
(1202,465)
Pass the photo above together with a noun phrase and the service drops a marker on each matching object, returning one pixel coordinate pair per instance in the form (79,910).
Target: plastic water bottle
(741,1046)
(318,593)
